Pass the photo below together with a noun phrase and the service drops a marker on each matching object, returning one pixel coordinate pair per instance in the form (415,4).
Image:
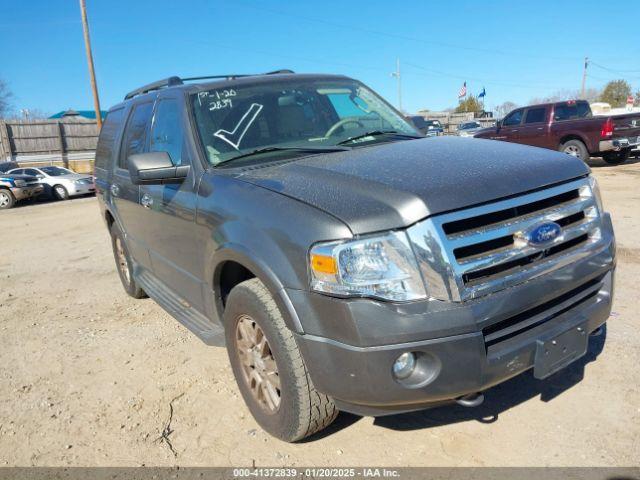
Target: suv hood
(394,185)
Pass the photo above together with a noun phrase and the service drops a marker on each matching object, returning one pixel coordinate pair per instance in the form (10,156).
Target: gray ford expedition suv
(348,262)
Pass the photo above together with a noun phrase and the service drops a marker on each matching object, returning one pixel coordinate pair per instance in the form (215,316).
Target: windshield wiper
(377,133)
(259,151)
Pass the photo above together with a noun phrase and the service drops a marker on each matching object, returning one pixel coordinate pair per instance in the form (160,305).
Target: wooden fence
(70,142)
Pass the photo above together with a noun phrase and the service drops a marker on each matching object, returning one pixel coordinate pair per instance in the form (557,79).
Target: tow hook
(471,400)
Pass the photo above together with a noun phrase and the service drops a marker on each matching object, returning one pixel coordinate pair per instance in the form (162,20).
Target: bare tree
(504,108)
(5,99)
(590,95)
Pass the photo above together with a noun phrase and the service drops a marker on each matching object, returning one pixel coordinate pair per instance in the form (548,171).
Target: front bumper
(21,193)
(455,342)
(618,144)
(82,189)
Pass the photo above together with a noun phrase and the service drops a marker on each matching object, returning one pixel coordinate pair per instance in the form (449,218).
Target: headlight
(380,267)
(593,191)
(19,183)
(78,182)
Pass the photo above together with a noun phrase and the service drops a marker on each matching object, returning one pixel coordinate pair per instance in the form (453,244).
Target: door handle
(115,189)
(146,201)
(540,128)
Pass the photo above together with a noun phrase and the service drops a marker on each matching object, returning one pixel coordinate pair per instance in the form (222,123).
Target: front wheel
(60,192)
(616,158)
(575,148)
(268,366)
(6,199)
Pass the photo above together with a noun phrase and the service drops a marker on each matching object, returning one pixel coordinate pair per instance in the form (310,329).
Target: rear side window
(535,115)
(136,132)
(167,134)
(572,111)
(514,118)
(106,142)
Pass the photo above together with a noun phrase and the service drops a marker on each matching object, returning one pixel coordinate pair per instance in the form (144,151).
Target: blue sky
(517,50)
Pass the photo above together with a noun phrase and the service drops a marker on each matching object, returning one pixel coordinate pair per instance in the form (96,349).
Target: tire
(575,148)
(7,200)
(123,263)
(616,158)
(60,192)
(289,407)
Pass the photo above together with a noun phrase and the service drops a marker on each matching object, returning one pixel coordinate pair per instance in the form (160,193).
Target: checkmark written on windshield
(234,137)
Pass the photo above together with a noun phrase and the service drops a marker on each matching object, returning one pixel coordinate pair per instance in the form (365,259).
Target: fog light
(404,365)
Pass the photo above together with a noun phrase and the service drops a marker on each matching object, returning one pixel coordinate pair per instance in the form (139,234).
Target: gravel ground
(89,376)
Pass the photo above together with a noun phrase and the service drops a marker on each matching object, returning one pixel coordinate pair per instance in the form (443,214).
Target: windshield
(303,113)
(55,171)
(467,126)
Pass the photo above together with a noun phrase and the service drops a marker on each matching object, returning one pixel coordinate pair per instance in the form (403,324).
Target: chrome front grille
(480,250)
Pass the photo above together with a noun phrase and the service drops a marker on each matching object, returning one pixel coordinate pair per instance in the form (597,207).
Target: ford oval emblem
(543,234)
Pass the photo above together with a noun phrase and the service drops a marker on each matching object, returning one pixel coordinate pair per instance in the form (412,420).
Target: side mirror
(155,168)
(40,176)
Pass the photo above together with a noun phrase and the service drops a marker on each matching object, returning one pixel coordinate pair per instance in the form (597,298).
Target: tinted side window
(535,115)
(584,110)
(110,127)
(136,132)
(514,118)
(419,122)
(167,134)
(565,111)
(31,171)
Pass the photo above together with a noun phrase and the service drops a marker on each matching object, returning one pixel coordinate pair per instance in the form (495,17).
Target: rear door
(125,196)
(170,209)
(533,129)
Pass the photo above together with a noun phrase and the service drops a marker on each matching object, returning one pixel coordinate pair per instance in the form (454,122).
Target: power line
(352,27)
(612,69)
(481,80)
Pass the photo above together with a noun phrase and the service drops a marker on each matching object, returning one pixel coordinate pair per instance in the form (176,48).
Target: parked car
(350,263)
(60,182)
(468,129)
(14,188)
(6,166)
(431,128)
(571,128)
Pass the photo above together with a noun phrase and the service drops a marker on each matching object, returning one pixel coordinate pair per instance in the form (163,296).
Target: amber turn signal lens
(323,264)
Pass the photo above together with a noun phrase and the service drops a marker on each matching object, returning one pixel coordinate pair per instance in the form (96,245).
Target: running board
(178,308)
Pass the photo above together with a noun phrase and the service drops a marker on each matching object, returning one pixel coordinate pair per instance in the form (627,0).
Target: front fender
(252,261)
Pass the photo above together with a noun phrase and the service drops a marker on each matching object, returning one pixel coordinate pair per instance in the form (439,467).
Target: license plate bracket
(555,353)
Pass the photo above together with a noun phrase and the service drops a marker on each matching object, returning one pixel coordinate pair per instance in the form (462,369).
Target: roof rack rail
(167,82)
(173,81)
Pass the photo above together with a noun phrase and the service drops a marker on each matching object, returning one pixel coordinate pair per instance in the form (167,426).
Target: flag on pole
(482,93)
(463,90)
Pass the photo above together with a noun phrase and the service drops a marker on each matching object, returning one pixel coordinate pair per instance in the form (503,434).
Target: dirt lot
(88,375)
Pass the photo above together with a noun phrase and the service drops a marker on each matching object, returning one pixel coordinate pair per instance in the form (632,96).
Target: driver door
(174,245)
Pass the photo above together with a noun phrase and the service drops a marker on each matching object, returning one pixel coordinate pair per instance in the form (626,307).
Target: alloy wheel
(4,199)
(572,150)
(259,368)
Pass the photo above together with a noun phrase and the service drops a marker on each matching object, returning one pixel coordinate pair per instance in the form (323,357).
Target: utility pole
(397,75)
(92,73)
(584,77)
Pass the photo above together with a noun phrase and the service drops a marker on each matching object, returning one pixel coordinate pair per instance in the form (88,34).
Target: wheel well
(109,218)
(230,274)
(564,140)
